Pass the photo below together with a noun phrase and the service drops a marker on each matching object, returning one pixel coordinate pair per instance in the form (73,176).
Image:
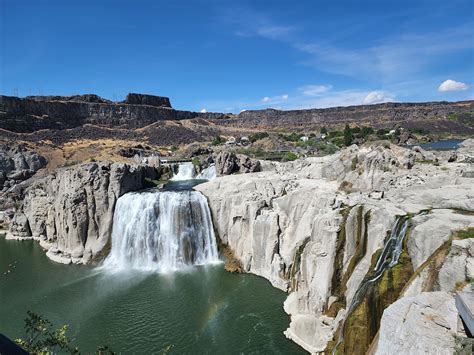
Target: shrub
(354,162)
(217,140)
(365,131)
(289,156)
(257,136)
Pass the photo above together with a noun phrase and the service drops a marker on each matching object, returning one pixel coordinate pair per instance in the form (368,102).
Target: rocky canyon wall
(71,211)
(300,227)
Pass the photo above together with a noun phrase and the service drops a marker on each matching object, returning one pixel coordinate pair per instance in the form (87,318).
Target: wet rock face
(71,211)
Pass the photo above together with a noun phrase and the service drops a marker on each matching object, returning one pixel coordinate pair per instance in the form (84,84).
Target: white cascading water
(186,171)
(210,173)
(162,231)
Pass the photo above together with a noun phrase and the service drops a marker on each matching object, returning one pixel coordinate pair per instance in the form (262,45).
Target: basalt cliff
(151,119)
(357,238)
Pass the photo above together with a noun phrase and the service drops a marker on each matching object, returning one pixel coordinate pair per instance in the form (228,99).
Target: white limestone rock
(424,324)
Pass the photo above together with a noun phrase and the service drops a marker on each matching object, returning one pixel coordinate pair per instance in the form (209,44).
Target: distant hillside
(152,119)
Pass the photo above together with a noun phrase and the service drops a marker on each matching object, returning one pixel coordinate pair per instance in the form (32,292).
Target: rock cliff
(300,226)
(345,235)
(35,113)
(71,211)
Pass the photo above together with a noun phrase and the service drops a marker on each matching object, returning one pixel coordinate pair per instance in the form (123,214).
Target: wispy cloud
(390,59)
(314,90)
(275,99)
(308,96)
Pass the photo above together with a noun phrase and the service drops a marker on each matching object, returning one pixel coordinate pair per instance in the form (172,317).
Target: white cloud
(452,85)
(314,90)
(275,99)
(203,110)
(377,97)
(273,32)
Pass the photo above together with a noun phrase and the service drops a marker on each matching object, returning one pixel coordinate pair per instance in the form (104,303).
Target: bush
(338,141)
(217,140)
(365,131)
(333,134)
(289,156)
(257,136)
(324,130)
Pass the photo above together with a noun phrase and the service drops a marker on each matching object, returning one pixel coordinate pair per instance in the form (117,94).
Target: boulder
(228,163)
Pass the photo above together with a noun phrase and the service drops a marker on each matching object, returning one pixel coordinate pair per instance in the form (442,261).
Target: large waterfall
(162,231)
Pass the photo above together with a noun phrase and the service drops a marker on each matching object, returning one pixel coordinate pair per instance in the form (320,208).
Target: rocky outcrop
(71,212)
(17,164)
(295,226)
(423,324)
(150,100)
(230,163)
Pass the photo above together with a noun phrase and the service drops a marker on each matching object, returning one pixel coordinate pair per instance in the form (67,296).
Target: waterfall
(210,173)
(388,258)
(162,231)
(186,171)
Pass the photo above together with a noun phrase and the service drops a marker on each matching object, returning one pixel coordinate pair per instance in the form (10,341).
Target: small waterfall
(388,258)
(162,231)
(186,171)
(210,173)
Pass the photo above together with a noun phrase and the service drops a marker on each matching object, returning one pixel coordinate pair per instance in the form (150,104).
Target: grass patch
(464,233)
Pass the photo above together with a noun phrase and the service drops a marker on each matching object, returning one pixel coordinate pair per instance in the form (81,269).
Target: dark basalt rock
(75,98)
(150,100)
(36,113)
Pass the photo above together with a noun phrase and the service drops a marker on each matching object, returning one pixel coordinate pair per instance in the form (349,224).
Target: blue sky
(236,55)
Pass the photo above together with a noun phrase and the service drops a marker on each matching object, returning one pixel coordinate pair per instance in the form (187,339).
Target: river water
(161,287)
(202,310)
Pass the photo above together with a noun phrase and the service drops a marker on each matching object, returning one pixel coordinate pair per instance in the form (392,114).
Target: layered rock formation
(316,227)
(449,117)
(35,113)
(71,211)
(57,112)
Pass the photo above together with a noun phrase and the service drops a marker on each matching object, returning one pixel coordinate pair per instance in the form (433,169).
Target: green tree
(41,339)
(347,135)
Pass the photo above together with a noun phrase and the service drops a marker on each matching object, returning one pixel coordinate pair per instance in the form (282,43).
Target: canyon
(346,236)
(151,119)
